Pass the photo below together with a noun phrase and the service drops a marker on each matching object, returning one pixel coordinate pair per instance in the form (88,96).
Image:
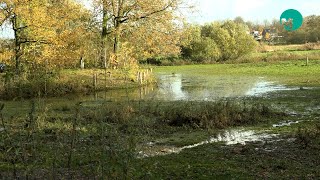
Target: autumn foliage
(114,34)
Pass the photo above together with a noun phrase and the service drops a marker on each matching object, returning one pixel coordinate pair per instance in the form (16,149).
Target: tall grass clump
(308,137)
(208,115)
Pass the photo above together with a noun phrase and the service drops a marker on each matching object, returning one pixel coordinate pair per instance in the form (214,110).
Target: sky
(206,11)
(253,10)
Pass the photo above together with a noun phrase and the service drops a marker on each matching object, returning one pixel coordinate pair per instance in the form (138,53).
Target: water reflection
(263,86)
(170,87)
(208,88)
(229,137)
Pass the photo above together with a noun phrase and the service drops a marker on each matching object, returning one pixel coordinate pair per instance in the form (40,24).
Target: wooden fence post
(144,77)
(95,81)
(81,63)
(137,76)
(140,78)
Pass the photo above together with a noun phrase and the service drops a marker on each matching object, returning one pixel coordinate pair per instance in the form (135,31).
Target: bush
(218,42)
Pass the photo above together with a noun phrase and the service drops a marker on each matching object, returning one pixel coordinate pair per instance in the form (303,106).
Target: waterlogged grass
(100,141)
(286,72)
(272,160)
(294,154)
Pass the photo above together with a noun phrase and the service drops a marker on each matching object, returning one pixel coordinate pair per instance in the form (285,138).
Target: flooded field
(209,88)
(228,137)
(169,87)
(185,121)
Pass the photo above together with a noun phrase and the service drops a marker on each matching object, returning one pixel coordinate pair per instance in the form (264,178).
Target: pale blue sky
(253,10)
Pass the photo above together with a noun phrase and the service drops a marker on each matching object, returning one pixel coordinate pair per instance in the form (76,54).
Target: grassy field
(287,72)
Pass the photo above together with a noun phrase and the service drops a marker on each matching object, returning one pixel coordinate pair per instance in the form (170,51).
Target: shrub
(218,42)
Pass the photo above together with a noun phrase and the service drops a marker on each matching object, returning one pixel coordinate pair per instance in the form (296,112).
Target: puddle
(313,109)
(285,123)
(230,137)
(210,88)
(263,87)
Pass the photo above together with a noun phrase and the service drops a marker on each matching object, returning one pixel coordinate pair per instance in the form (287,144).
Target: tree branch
(148,14)
(24,41)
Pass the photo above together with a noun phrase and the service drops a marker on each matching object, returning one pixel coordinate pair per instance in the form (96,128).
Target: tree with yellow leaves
(146,26)
(45,31)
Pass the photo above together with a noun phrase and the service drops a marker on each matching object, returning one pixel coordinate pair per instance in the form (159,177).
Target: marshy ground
(180,129)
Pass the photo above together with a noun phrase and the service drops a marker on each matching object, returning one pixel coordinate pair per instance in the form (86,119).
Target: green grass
(287,72)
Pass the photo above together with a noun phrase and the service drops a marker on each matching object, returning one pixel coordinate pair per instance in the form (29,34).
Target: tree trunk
(104,38)
(17,44)
(116,42)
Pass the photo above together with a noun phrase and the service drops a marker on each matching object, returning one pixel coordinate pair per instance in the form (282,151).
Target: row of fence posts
(141,77)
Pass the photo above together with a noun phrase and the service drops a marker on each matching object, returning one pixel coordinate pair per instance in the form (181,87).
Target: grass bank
(68,81)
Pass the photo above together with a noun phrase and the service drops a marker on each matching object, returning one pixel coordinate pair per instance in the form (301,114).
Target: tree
(312,27)
(239,20)
(123,17)
(10,12)
(45,30)
(219,41)
(199,47)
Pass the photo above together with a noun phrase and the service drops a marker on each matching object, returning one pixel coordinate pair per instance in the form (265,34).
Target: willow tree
(139,19)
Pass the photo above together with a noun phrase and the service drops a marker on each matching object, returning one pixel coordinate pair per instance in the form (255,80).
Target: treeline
(119,34)
(308,32)
(229,40)
(63,33)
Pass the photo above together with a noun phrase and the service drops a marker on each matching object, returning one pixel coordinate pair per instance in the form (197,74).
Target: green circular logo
(291,19)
